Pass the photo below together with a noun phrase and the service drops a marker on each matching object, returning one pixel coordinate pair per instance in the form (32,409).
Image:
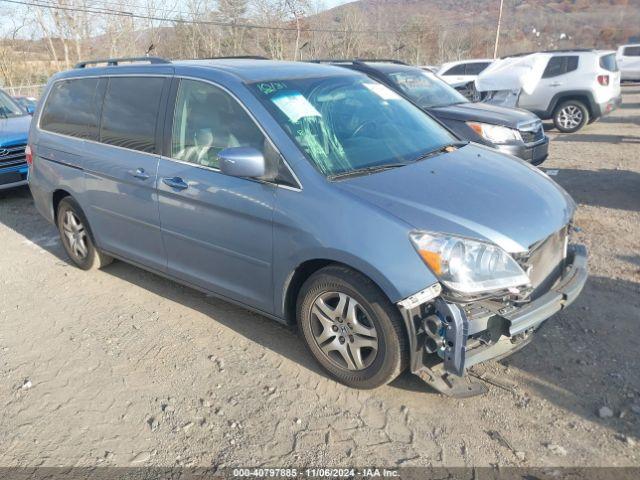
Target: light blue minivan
(315,196)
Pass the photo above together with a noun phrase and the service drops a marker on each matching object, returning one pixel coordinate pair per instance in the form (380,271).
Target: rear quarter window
(130,112)
(456,70)
(608,62)
(72,108)
(631,51)
(475,68)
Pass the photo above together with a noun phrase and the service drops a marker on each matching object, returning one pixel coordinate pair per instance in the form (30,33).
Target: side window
(631,51)
(130,112)
(457,70)
(608,62)
(208,120)
(72,108)
(475,68)
(560,65)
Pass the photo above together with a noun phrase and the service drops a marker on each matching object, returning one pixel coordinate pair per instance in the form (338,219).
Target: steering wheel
(362,126)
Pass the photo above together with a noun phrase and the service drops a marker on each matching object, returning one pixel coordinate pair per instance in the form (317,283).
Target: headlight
(495,133)
(468,266)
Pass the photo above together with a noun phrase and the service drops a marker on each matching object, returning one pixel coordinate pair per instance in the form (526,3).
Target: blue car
(313,195)
(14,130)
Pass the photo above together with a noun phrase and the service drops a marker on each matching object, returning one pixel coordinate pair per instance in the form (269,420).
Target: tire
(570,116)
(77,238)
(372,328)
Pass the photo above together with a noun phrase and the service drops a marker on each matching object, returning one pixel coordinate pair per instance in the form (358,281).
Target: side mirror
(242,162)
(31,110)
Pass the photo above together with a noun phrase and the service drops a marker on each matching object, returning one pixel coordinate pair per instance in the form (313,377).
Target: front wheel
(570,116)
(351,328)
(76,237)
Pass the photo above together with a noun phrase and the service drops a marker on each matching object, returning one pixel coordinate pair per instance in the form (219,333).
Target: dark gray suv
(312,195)
(510,130)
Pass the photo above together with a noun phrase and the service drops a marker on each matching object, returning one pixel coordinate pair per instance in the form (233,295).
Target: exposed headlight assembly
(495,133)
(468,266)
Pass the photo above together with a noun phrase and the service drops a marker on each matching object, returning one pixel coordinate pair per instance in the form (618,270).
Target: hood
(483,112)
(513,73)
(14,130)
(473,192)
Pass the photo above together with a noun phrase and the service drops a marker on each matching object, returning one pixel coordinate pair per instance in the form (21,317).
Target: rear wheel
(570,116)
(76,237)
(351,328)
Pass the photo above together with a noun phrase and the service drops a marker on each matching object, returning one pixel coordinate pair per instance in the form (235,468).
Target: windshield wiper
(367,170)
(441,149)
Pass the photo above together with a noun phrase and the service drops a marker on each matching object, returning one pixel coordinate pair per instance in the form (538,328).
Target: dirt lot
(121,367)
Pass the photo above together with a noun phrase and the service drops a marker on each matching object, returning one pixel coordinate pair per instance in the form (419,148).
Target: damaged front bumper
(447,338)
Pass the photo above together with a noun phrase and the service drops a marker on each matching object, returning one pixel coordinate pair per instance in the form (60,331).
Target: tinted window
(632,51)
(457,70)
(475,68)
(72,108)
(560,65)
(608,62)
(130,112)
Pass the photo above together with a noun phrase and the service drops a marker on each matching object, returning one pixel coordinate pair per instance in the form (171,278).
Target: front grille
(545,262)
(532,134)
(12,156)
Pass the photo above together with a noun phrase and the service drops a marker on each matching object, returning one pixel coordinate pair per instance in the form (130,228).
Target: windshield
(9,108)
(426,89)
(348,123)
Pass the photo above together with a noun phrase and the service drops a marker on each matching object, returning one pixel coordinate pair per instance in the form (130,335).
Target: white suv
(628,58)
(576,88)
(461,74)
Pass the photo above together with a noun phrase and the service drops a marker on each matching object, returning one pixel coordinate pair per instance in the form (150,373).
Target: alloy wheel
(75,234)
(570,117)
(343,331)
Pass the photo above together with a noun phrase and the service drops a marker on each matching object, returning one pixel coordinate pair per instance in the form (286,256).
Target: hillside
(526,24)
(416,31)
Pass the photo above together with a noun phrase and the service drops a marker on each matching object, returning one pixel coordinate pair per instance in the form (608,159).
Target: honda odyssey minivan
(312,195)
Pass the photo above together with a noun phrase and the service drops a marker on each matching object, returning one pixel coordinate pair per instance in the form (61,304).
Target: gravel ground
(121,367)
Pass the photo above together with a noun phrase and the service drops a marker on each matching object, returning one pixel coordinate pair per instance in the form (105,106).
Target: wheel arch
(307,268)
(578,95)
(56,198)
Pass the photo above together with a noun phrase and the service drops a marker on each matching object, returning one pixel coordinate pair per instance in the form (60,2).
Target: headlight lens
(468,266)
(495,133)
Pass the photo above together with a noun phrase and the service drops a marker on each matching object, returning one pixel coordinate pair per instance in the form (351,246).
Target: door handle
(555,84)
(175,182)
(139,174)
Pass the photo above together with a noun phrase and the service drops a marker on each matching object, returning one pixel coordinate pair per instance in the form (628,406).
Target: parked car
(628,58)
(461,74)
(574,87)
(312,195)
(14,129)
(29,104)
(510,130)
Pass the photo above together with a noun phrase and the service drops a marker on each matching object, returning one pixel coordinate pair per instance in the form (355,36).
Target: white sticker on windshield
(295,106)
(382,91)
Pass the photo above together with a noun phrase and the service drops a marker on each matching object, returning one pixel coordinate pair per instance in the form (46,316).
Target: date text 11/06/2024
(314,473)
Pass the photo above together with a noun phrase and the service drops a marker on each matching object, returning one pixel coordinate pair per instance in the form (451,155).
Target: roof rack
(561,50)
(113,62)
(358,61)
(238,57)
(381,60)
